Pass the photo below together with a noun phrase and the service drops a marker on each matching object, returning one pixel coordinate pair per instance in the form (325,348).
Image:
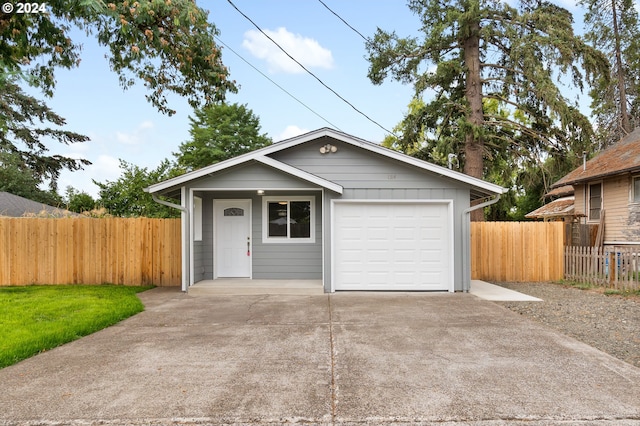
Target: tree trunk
(474,143)
(624,117)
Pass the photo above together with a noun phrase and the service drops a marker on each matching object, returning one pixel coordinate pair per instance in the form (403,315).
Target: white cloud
(105,168)
(290,132)
(136,136)
(307,51)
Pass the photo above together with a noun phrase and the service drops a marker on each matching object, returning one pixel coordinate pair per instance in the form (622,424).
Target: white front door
(232,235)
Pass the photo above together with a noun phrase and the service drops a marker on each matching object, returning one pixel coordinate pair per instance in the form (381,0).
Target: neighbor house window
(288,220)
(636,189)
(197,219)
(595,201)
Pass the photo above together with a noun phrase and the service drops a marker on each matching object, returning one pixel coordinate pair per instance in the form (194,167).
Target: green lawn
(34,319)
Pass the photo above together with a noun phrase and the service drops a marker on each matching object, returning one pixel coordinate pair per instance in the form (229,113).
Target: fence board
(517,251)
(90,251)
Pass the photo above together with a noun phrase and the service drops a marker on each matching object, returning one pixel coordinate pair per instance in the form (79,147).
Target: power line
(309,72)
(345,22)
(276,84)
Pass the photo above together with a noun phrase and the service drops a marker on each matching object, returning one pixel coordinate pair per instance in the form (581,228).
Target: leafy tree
(167,44)
(79,201)
(125,197)
(219,132)
(477,51)
(613,28)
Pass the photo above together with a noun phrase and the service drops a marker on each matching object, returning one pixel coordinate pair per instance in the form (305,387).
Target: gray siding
(270,261)
(291,260)
(369,176)
(353,167)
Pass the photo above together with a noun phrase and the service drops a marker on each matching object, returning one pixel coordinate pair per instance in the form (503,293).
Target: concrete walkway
(487,291)
(346,358)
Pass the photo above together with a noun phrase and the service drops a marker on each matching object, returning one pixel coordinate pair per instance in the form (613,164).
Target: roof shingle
(623,157)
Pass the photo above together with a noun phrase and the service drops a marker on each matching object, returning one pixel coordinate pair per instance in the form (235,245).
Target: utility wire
(309,72)
(345,22)
(276,84)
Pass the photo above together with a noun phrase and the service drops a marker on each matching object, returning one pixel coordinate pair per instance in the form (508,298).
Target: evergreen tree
(613,28)
(476,51)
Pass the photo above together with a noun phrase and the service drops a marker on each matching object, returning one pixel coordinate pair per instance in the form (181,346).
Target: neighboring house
(16,206)
(608,187)
(328,206)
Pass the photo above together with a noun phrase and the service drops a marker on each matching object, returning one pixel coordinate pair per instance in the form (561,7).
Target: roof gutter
(168,204)
(466,230)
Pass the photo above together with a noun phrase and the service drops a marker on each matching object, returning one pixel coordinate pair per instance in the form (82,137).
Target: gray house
(329,207)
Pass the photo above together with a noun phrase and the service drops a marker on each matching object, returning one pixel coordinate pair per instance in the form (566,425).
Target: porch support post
(186,234)
(466,241)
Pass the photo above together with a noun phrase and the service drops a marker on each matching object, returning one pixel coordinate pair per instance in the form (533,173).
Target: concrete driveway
(348,358)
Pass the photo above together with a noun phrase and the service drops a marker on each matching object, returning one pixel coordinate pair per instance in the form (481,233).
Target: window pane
(636,190)
(300,223)
(277,219)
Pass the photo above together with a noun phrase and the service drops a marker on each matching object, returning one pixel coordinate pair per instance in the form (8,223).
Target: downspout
(466,230)
(185,217)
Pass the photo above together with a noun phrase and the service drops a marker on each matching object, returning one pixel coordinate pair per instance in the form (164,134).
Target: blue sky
(123,125)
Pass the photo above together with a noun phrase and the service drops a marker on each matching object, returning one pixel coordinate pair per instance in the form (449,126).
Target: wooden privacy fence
(615,267)
(90,251)
(517,251)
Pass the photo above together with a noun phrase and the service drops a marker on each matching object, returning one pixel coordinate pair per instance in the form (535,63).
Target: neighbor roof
(480,188)
(623,157)
(560,191)
(15,206)
(560,207)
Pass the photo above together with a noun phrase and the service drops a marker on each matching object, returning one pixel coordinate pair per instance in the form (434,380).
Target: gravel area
(610,323)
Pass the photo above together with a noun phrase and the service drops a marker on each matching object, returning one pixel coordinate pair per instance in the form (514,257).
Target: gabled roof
(480,187)
(16,206)
(623,157)
(560,207)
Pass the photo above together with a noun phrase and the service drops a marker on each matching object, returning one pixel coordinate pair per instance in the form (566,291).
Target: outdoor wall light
(260,191)
(328,148)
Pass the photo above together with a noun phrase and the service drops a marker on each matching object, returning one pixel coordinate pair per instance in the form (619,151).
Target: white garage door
(392,246)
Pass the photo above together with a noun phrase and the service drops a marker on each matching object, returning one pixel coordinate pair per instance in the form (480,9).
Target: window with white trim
(595,201)
(197,219)
(288,219)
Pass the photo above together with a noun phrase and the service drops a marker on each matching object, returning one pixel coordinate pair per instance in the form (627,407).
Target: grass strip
(34,319)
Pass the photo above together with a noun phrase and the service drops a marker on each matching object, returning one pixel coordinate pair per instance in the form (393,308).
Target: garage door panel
(380,246)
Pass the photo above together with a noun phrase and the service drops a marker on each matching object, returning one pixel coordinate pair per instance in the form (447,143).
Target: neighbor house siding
(615,192)
(622,217)
(580,202)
